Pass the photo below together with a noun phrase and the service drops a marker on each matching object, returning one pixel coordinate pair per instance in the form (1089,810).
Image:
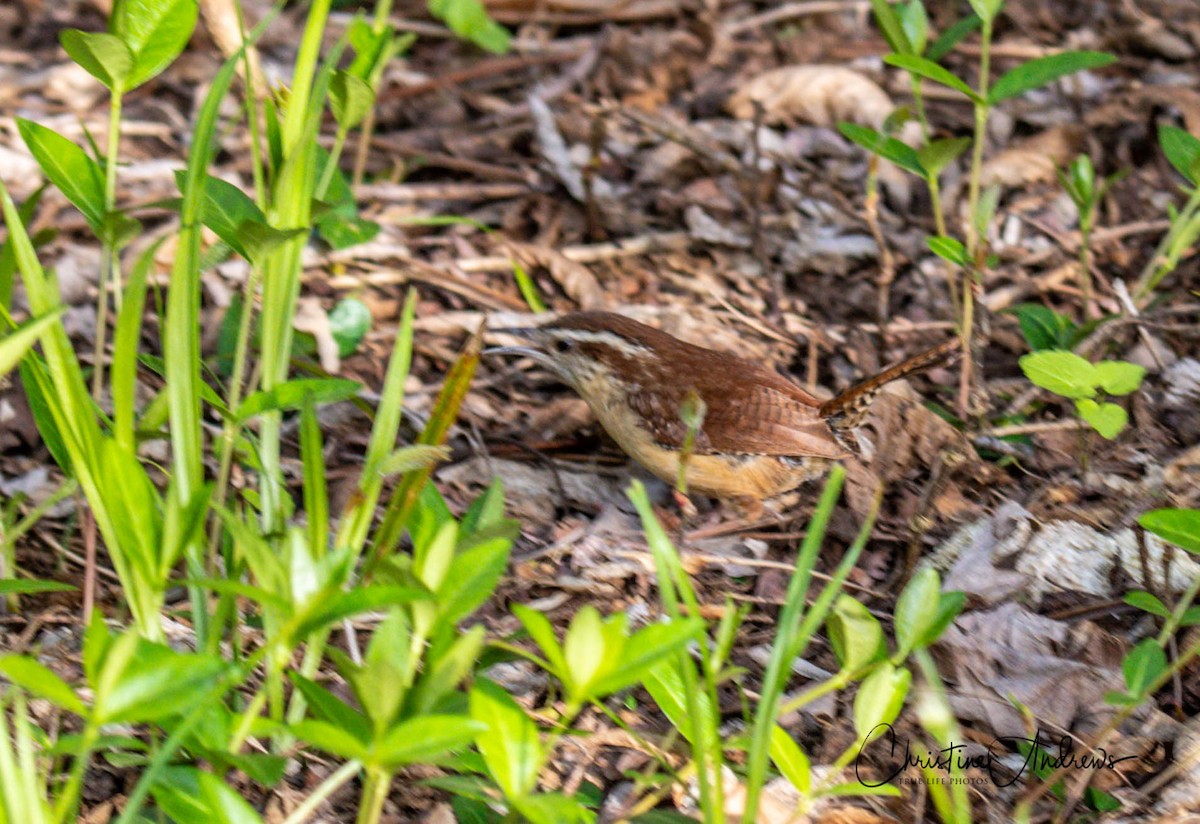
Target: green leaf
(31,586)
(1148,603)
(1042,327)
(893,30)
(1182,150)
(542,633)
(330,739)
(645,650)
(552,808)
(791,761)
(474,574)
(855,788)
(889,148)
(931,71)
(104,56)
(1042,71)
(351,99)
(952,36)
(880,698)
(585,650)
(1106,418)
(349,322)
(142,681)
(69,168)
(1119,377)
(15,344)
(1143,665)
(936,156)
(1063,373)
(412,457)
(915,23)
(469,20)
(155,31)
(510,745)
(854,634)
(425,739)
(948,249)
(344,232)
(40,680)
(987,9)
(1177,526)
(916,610)
(292,394)
(950,604)
(329,708)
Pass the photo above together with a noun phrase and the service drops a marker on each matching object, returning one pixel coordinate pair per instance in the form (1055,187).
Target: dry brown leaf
(1033,160)
(616,10)
(575,279)
(311,318)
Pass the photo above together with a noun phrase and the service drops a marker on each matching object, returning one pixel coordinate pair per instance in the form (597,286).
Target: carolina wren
(760,435)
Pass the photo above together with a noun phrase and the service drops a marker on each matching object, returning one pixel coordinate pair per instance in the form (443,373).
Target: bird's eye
(564,345)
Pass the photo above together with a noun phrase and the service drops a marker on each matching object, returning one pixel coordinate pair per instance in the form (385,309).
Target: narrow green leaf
(15,344)
(987,9)
(1042,327)
(791,761)
(936,156)
(292,395)
(424,739)
(1106,418)
(102,55)
(889,148)
(645,650)
(1148,603)
(854,634)
(949,249)
(31,586)
(916,609)
(1042,71)
(922,67)
(69,168)
(1142,665)
(329,708)
(952,36)
(1063,373)
(330,739)
(40,680)
(880,698)
(889,24)
(1177,526)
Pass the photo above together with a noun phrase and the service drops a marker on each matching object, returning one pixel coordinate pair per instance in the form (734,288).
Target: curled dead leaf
(1033,160)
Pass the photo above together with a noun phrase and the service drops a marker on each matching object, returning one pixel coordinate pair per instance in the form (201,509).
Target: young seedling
(1079,180)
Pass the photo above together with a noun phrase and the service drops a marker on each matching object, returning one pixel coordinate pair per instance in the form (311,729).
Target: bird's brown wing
(773,418)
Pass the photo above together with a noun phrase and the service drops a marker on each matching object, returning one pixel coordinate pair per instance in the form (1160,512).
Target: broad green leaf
(948,249)
(1106,418)
(1042,327)
(152,683)
(916,610)
(950,604)
(1063,373)
(69,168)
(888,20)
(469,20)
(1119,377)
(1147,602)
(188,794)
(644,650)
(510,746)
(349,322)
(344,232)
(15,344)
(1142,665)
(987,9)
(791,761)
(155,31)
(880,698)
(31,586)
(1177,526)
(1182,150)
(952,36)
(446,665)
(425,739)
(40,680)
(936,156)
(330,607)
(854,634)
(553,808)
(330,739)
(585,651)
(889,148)
(292,394)
(351,99)
(104,56)
(931,71)
(474,574)
(1042,71)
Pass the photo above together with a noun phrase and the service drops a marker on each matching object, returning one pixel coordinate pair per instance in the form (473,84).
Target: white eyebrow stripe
(612,339)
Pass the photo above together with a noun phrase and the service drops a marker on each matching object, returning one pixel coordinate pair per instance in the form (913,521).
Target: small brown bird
(759,434)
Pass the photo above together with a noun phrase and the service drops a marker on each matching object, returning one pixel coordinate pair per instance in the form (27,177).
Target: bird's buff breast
(718,475)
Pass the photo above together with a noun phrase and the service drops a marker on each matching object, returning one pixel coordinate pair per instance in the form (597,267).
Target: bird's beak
(525,351)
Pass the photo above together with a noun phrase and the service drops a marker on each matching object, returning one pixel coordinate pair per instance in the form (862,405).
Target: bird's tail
(848,409)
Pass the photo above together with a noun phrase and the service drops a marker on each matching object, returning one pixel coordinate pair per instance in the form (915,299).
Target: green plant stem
(68,802)
(839,681)
(1166,254)
(1176,617)
(375,791)
(110,276)
(982,111)
(1085,272)
(954,807)
(324,790)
